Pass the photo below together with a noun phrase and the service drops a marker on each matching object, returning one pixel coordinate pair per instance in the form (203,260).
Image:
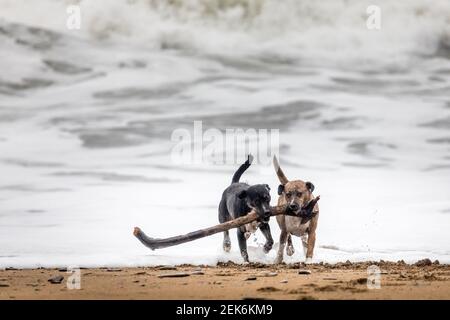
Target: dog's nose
(293,206)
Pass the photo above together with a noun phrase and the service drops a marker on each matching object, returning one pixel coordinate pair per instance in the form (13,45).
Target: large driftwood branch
(153,243)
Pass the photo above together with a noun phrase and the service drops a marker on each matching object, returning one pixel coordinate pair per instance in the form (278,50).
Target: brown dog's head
(296,193)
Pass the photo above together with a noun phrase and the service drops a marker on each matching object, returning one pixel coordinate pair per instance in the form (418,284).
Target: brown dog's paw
(278,260)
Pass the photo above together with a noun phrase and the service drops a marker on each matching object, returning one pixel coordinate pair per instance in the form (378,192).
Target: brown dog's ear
(310,186)
(242,194)
(280,189)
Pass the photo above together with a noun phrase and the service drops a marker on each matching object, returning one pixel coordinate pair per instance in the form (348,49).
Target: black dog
(237,201)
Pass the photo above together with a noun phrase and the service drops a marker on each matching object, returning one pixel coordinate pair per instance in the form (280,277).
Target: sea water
(86,118)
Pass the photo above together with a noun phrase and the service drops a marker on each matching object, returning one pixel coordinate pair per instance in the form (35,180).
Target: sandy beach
(423,280)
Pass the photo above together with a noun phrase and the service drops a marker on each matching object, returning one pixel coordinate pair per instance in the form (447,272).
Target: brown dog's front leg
(311,243)
(290,247)
(283,238)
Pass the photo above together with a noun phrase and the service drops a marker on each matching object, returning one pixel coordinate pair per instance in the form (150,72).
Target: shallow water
(86,120)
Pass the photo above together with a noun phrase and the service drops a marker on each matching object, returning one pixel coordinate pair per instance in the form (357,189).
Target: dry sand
(424,280)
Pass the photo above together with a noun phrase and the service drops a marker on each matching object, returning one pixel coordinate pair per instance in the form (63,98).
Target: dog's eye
(299,194)
(288,194)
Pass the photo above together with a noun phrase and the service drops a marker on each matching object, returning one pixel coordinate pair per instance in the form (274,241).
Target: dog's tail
(279,172)
(237,175)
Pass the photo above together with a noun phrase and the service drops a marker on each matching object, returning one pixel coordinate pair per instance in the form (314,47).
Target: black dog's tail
(237,175)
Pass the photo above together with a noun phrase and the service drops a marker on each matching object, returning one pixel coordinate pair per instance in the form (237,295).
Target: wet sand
(424,280)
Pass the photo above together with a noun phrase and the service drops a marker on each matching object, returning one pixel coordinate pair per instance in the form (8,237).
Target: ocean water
(86,118)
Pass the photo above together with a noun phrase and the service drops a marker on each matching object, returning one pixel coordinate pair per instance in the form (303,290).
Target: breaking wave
(286,31)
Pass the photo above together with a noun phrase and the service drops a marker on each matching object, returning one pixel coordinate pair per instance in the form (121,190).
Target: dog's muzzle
(294,207)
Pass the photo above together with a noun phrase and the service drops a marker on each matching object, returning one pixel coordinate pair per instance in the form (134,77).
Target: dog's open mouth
(297,210)
(305,210)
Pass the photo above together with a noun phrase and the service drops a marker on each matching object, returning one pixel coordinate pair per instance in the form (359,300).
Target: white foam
(384,186)
(268,29)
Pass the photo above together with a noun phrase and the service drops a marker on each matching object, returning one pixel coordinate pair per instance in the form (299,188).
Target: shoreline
(344,280)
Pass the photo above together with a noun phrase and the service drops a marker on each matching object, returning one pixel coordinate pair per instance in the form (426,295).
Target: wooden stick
(153,243)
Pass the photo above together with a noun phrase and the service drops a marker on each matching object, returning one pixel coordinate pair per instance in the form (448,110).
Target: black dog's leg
(226,241)
(265,229)
(242,244)
(224,216)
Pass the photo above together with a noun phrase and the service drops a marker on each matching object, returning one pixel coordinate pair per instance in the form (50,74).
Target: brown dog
(295,194)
